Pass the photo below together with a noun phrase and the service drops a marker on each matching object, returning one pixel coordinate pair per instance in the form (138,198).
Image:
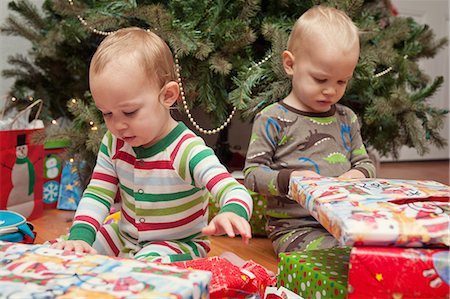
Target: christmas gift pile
(366,272)
(404,222)
(36,271)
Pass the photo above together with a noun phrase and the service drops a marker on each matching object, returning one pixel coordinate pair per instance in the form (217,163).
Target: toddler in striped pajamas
(163,171)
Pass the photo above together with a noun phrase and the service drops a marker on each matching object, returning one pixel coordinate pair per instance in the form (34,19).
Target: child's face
(131,103)
(320,74)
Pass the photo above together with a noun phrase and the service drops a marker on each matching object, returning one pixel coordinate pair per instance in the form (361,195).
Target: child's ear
(170,94)
(288,62)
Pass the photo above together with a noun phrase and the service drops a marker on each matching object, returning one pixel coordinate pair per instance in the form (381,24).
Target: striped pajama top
(164,189)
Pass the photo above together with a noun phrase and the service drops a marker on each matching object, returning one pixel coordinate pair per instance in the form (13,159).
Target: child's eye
(130,113)
(342,82)
(107,114)
(318,80)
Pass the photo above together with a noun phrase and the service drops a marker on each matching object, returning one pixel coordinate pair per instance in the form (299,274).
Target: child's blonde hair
(323,21)
(148,49)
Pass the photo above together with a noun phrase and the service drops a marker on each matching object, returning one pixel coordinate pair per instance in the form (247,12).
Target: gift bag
(53,164)
(21,169)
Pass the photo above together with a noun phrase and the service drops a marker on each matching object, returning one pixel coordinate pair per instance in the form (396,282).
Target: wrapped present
(378,212)
(315,273)
(377,272)
(366,272)
(231,281)
(37,271)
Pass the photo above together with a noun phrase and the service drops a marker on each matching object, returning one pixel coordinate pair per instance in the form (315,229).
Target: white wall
(435,13)
(10,45)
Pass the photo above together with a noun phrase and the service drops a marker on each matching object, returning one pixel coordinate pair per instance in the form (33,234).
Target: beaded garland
(180,83)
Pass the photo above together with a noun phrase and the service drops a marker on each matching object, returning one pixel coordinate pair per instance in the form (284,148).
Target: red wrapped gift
(229,280)
(377,272)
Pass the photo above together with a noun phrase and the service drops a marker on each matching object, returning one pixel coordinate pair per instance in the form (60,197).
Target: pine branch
(428,91)
(237,37)
(29,12)
(245,83)
(249,10)
(13,26)
(28,25)
(430,46)
(219,64)
(20,61)
(157,17)
(353,8)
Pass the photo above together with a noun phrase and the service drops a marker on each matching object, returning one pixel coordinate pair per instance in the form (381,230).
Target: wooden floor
(55,222)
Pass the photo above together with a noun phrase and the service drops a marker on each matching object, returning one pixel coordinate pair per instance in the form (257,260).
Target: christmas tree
(229,53)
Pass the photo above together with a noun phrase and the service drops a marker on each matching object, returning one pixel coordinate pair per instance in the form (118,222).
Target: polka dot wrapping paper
(319,274)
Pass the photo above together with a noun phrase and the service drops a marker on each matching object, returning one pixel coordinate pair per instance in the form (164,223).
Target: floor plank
(423,170)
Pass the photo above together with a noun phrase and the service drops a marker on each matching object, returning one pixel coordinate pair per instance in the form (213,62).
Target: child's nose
(329,90)
(121,125)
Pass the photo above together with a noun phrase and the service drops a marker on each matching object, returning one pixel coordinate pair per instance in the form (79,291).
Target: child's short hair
(324,21)
(147,48)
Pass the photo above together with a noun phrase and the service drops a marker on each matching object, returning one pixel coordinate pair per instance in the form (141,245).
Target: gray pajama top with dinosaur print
(285,139)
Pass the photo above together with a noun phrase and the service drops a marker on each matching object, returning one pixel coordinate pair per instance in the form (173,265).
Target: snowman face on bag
(51,167)
(22,151)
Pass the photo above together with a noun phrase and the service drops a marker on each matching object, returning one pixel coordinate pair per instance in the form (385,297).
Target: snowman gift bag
(21,164)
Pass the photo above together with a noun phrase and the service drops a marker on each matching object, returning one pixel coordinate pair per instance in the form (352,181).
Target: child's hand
(77,246)
(352,174)
(231,224)
(305,173)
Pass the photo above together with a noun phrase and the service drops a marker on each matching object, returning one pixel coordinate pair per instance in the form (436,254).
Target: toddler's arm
(353,174)
(261,156)
(98,197)
(362,165)
(236,204)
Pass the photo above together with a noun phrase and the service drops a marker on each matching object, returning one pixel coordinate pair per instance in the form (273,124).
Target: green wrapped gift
(315,273)
(258,220)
